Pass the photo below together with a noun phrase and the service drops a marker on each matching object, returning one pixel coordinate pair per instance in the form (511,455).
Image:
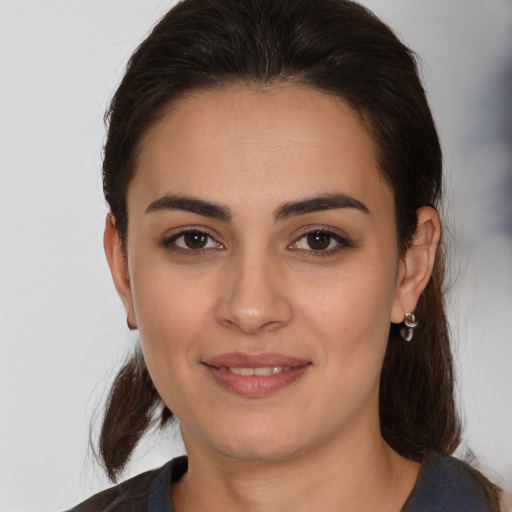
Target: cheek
(163,313)
(349,311)
(168,299)
(171,310)
(351,324)
(353,300)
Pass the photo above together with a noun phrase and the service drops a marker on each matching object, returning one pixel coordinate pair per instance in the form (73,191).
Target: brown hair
(339,47)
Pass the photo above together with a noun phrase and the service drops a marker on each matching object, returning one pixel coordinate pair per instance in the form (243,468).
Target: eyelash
(341,243)
(169,243)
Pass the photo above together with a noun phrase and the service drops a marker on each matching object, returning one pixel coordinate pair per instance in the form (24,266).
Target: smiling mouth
(247,361)
(256,375)
(261,371)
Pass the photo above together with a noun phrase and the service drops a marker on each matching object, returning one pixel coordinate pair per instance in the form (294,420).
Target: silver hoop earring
(407,330)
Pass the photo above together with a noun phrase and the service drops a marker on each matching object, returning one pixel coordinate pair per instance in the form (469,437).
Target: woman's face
(262,269)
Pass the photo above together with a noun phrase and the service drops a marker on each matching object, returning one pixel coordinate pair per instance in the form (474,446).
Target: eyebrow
(319,203)
(190,204)
(285,211)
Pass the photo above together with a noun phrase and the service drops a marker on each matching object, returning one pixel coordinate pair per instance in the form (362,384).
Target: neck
(367,476)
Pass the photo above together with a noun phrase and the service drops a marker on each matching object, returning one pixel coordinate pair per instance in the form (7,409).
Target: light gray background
(62,327)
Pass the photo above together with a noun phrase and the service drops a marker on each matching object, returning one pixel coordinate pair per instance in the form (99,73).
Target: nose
(255,296)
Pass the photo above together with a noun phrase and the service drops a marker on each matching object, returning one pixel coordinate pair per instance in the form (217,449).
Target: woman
(273,174)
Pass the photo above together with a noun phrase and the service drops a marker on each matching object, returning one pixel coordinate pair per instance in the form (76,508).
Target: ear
(416,265)
(118,267)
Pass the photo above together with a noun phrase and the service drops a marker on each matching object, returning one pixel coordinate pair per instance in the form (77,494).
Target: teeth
(266,371)
(262,372)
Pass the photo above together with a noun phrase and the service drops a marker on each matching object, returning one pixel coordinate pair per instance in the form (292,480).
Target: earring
(408,330)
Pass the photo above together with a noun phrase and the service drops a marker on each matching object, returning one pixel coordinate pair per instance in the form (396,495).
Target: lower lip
(256,385)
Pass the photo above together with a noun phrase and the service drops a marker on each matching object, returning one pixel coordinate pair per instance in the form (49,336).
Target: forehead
(244,144)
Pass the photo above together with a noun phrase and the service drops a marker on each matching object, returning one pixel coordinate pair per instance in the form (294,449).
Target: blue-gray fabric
(445,484)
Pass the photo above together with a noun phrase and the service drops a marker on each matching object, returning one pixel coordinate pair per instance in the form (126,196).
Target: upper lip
(265,359)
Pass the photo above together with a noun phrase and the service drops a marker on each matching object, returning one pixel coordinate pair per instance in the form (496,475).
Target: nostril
(252,299)
(253,324)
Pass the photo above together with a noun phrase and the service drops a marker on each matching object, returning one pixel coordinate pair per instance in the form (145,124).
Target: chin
(259,451)
(257,442)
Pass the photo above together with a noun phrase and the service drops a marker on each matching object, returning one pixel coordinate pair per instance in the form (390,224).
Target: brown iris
(195,240)
(318,240)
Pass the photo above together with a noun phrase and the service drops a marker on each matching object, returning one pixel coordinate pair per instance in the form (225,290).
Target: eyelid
(343,240)
(168,241)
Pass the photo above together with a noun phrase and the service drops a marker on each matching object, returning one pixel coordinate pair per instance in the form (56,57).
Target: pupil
(318,241)
(195,240)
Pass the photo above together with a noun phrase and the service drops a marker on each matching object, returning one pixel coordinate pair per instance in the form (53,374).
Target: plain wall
(63,328)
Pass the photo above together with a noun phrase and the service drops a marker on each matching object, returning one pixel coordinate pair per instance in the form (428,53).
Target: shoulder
(134,494)
(129,495)
(446,484)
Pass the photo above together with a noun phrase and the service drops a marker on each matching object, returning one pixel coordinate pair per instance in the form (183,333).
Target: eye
(319,241)
(192,240)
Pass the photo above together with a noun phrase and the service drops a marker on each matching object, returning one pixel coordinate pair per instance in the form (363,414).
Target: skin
(258,287)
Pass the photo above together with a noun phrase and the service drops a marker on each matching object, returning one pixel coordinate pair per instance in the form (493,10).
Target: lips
(255,375)
(266,359)
(260,371)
